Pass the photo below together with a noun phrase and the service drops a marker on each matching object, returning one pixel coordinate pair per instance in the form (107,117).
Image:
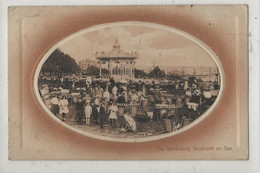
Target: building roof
(116,53)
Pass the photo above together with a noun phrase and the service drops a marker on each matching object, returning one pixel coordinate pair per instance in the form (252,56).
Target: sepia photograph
(129,81)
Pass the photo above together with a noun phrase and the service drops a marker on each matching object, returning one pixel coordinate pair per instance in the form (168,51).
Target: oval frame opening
(130,23)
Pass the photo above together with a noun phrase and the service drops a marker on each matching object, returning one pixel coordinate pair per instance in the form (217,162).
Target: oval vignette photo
(129,82)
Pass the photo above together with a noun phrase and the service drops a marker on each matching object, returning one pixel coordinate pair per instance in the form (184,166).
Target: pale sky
(167,48)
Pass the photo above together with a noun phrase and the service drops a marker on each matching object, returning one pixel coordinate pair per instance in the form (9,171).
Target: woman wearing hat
(55,104)
(63,104)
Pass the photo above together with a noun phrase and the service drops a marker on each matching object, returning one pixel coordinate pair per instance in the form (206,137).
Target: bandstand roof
(116,53)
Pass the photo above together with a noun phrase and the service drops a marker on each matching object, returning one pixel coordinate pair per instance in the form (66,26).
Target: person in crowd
(44,90)
(186,86)
(134,109)
(95,110)
(120,89)
(134,97)
(178,103)
(164,100)
(185,111)
(202,107)
(55,105)
(180,112)
(47,101)
(216,86)
(211,87)
(129,95)
(106,94)
(188,92)
(113,111)
(63,104)
(121,98)
(140,94)
(96,100)
(102,115)
(99,91)
(114,91)
(73,86)
(186,100)
(88,112)
(79,111)
(112,82)
(96,89)
(88,89)
(195,98)
(193,86)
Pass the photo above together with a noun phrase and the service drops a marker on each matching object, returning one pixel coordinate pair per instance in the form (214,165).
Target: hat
(197,91)
(144,99)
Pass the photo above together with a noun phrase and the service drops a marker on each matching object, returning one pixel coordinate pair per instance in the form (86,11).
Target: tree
(157,73)
(139,73)
(60,63)
(104,72)
(92,71)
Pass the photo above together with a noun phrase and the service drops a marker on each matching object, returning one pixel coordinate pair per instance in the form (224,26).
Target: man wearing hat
(121,98)
(95,110)
(80,111)
(196,96)
(102,115)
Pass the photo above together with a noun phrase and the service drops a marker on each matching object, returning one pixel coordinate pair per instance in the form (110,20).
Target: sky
(155,46)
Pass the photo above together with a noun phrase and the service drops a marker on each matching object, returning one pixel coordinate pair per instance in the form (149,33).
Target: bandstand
(120,64)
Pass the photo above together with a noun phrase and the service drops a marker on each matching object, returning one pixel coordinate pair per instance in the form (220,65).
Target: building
(84,64)
(120,64)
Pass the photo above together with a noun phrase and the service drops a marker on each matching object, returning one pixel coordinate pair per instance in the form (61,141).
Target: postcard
(153,83)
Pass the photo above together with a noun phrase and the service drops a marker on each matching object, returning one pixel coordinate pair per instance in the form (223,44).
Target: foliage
(61,63)
(140,73)
(157,73)
(94,71)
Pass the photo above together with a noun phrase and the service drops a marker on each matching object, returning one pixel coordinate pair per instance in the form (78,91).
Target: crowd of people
(115,104)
